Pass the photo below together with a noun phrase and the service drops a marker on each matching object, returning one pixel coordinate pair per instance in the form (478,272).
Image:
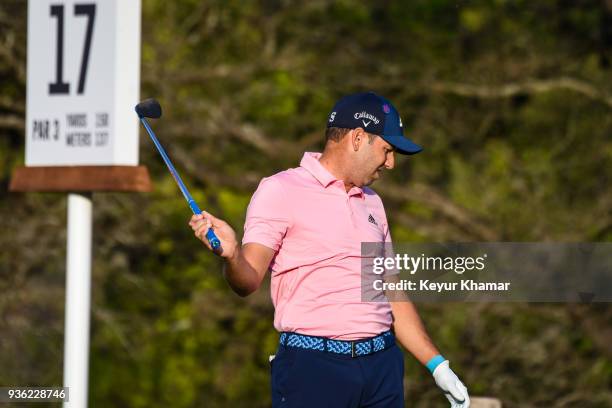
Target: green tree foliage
(511,99)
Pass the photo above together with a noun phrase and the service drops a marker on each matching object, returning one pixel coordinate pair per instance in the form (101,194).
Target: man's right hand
(200,224)
(246,266)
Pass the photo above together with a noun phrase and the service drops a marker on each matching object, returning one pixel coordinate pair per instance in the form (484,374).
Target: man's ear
(357,136)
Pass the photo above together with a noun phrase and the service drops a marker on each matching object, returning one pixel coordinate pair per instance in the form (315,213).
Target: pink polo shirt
(316,229)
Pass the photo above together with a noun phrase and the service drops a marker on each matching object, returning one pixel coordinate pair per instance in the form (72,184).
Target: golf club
(150,108)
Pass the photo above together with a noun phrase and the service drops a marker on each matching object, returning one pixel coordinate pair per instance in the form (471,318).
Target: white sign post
(82,85)
(78,300)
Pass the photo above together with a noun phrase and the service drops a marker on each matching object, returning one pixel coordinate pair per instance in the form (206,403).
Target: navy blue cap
(375,115)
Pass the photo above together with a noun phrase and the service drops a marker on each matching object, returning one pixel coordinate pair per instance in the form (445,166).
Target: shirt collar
(310,162)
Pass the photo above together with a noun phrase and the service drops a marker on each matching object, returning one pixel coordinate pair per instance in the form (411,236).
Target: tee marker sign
(83,82)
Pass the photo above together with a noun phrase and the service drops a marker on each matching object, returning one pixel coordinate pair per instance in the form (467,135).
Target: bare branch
(12,105)
(442,231)
(107,318)
(204,74)
(12,122)
(7,52)
(532,86)
(207,175)
(438,202)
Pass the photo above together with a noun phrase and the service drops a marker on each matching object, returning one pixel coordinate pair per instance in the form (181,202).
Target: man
(306,226)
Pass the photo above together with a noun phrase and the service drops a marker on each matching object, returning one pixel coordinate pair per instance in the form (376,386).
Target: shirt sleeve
(268,216)
(388,250)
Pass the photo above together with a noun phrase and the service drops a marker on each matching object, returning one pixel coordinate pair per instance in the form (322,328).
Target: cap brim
(403,145)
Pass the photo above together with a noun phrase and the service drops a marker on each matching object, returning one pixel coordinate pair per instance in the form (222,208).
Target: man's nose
(390,162)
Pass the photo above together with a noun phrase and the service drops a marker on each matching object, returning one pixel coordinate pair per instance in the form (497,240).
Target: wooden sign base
(81,178)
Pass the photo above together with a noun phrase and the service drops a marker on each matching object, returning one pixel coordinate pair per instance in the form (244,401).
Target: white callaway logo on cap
(364,114)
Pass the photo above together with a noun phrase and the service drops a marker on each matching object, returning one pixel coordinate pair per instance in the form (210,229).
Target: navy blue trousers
(315,379)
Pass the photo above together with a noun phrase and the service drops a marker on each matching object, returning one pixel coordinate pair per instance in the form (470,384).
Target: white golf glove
(451,385)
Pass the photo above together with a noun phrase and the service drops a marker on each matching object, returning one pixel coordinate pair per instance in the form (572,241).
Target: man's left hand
(451,385)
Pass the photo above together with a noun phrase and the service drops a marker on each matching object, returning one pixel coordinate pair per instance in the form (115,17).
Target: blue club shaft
(210,235)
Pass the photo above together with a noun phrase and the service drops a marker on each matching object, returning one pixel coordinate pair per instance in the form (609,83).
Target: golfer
(306,226)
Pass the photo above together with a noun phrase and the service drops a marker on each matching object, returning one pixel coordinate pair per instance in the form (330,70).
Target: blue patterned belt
(353,348)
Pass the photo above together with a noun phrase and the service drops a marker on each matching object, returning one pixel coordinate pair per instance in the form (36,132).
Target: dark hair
(336,134)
